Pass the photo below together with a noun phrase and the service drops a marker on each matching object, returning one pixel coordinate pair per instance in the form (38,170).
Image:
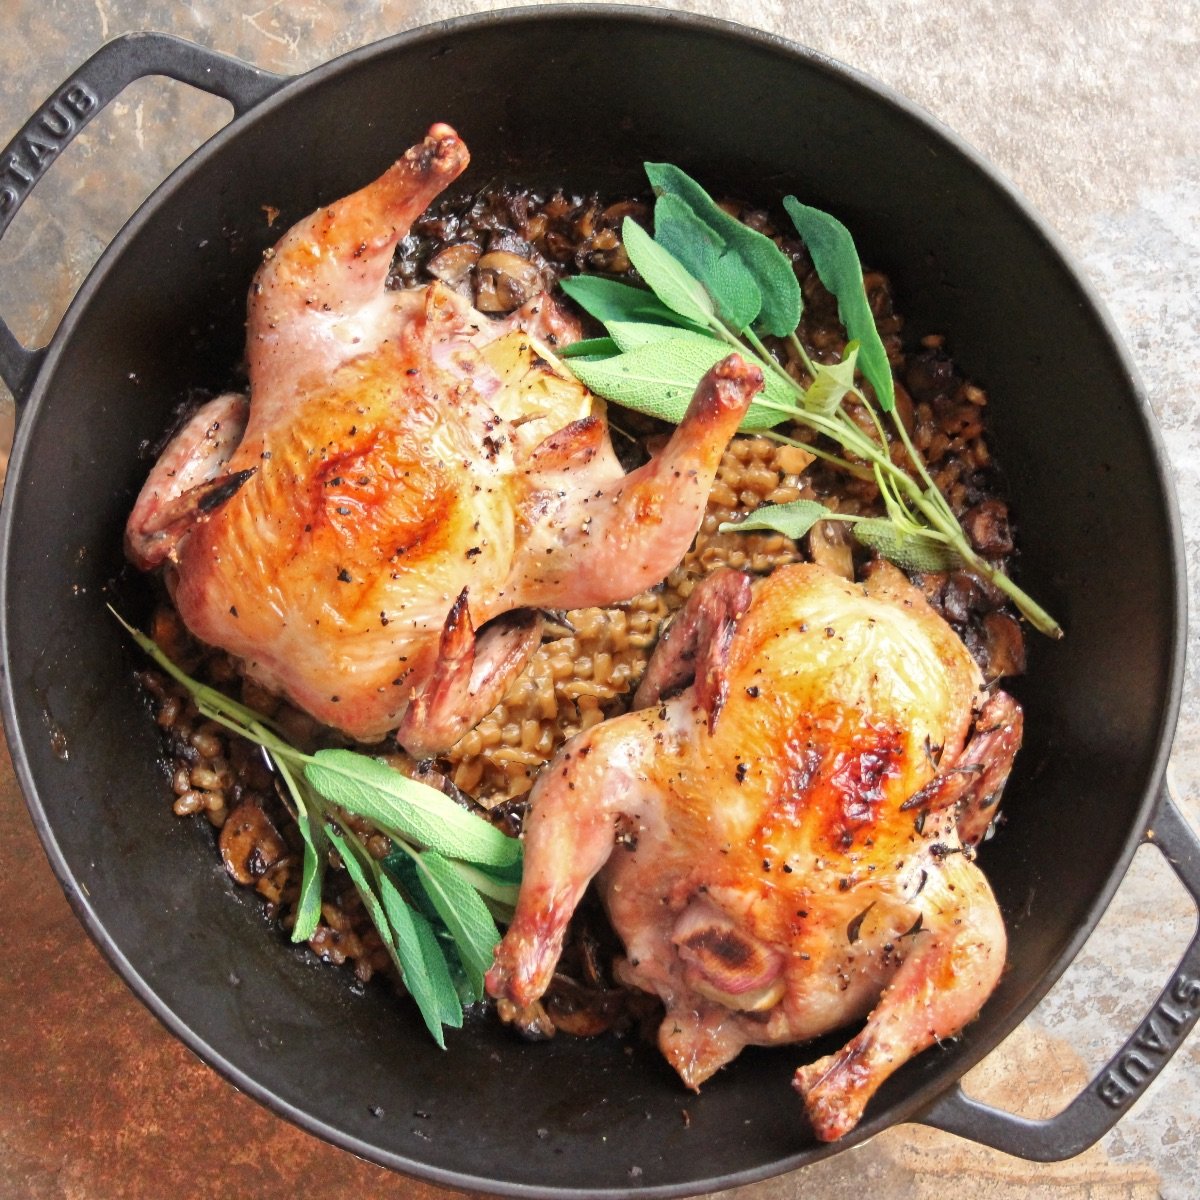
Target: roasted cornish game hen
(373,531)
(785,847)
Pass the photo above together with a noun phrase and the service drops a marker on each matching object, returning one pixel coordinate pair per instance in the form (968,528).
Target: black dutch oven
(581,95)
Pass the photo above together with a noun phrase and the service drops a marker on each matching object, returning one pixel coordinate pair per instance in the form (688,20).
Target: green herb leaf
(316,855)
(600,347)
(709,257)
(464,913)
(630,335)
(666,277)
(425,972)
(371,902)
(657,373)
(914,551)
(444,968)
(401,805)
(608,300)
(402,865)
(779,289)
(827,391)
(312,877)
(509,874)
(660,378)
(793,519)
(836,260)
(503,892)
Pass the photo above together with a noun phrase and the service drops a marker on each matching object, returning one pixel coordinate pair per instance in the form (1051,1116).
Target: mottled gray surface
(1092,110)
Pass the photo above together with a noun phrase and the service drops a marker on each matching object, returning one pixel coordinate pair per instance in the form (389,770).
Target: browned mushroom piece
(1005,645)
(829,546)
(273,885)
(504,281)
(988,527)
(606,252)
(582,1011)
(453,266)
(250,844)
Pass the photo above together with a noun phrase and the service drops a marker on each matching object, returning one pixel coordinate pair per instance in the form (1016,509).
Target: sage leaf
(913,551)
(403,866)
(400,805)
(509,874)
(836,260)
(425,972)
(710,258)
(629,335)
(793,519)
(444,968)
(599,347)
(312,877)
(316,856)
(408,969)
(464,913)
(503,892)
(660,378)
(609,300)
(779,289)
(666,277)
(827,391)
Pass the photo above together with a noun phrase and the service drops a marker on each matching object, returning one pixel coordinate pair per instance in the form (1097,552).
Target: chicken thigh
(778,845)
(374,530)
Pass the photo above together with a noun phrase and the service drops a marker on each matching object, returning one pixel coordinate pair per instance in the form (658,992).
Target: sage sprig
(433,899)
(716,285)
(912,552)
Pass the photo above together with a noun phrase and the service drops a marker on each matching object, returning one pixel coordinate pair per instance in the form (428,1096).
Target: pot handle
(1130,1071)
(89,90)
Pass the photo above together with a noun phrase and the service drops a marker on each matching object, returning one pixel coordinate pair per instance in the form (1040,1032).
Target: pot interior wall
(580,101)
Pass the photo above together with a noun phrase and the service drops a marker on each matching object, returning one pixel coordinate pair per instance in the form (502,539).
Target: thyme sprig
(716,285)
(432,899)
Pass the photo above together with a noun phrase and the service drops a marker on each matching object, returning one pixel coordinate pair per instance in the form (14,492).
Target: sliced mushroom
(606,252)
(988,527)
(1005,646)
(453,266)
(272,885)
(250,845)
(830,548)
(581,1011)
(505,239)
(504,281)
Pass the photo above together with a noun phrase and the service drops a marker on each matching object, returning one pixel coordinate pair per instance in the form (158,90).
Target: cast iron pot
(580,95)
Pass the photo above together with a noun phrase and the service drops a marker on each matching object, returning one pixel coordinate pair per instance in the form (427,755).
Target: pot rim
(923,1095)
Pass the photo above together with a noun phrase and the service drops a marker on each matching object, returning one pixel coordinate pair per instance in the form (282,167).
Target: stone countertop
(1093,109)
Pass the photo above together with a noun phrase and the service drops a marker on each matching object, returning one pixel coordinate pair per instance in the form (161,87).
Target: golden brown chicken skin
(373,531)
(789,858)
